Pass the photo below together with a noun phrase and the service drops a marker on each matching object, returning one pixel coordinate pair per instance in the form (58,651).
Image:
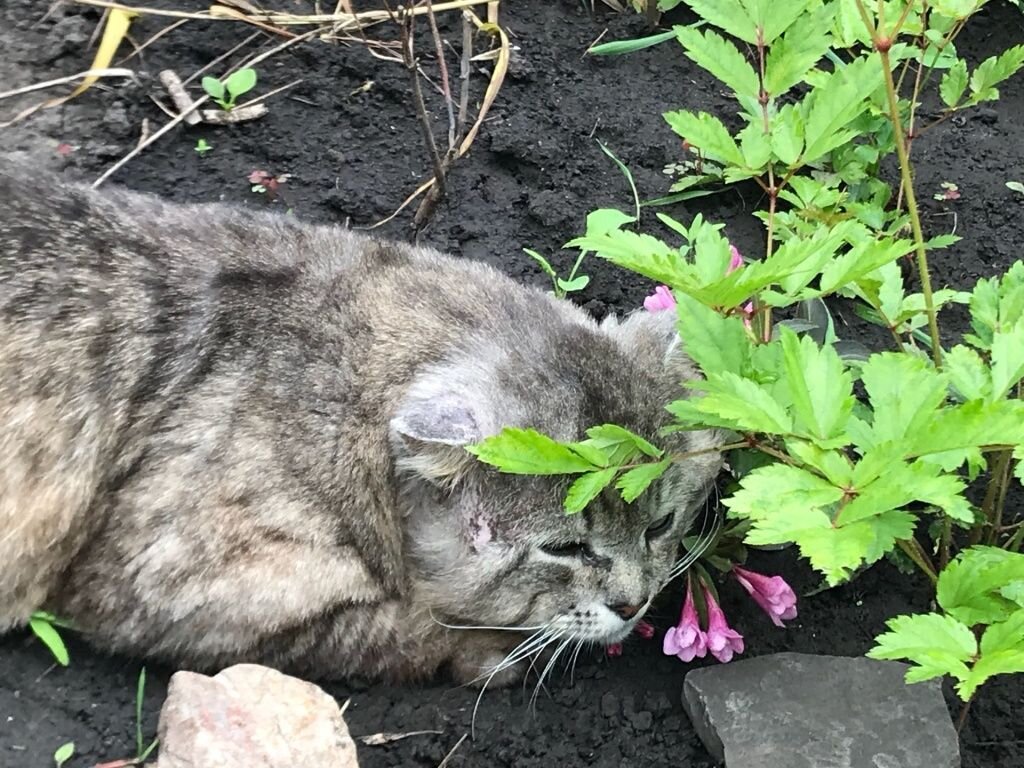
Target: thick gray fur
(230,436)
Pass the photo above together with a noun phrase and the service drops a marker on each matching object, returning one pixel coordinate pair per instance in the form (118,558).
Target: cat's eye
(567,549)
(658,527)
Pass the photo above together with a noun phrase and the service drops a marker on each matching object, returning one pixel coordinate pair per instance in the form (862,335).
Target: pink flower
(772,593)
(661,299)
(686,640)
(613,650)
(645,629)
(723,641)
(736,261)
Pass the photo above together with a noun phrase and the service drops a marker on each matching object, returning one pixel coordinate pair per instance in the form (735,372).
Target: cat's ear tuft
(651,337)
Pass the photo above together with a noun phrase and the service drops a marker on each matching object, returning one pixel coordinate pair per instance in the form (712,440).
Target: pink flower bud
(723,640)
(660,300)
(645,629)
(772,593)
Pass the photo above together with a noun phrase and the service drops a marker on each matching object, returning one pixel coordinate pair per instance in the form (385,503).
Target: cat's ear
(433,425)
(652,339)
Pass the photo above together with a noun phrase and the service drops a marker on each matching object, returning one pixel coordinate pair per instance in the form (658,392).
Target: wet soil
(354,152)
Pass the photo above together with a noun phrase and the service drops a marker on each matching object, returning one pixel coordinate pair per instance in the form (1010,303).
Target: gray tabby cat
(229,436)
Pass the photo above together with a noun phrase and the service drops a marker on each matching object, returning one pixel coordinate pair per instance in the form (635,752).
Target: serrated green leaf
(708,134)
(721,58)
(954,83)
(729,15)
(586,488)
(832,464)
(528,452)
(716,343)
(821,389)
(865,257)
(639,253)
(993,71)
(788,135)
(904,391)
(799,49)
(755,146)
(742,403)
(969,588)
(611,435)
(633,483)
(936,643)
(831,107)
(902,483)
(1002,653)
(784,492)
(971,425)
(967,373)
(1007,359)
(49,636)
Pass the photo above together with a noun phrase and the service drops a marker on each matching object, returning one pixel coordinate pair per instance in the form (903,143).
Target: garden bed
(354,152)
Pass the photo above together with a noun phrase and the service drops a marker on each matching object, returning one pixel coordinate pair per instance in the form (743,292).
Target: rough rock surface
(796,710)
(250,716)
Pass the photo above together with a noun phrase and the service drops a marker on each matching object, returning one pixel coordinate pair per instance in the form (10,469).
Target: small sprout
(43,626)
(364,88)
(202,147)
(1016,186)
(63,754)
(950,191)
(561,286)
(226,92)
(266,183)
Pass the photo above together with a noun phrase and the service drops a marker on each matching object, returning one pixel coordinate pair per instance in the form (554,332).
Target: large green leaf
(742,403)
(721,58)
(938,645)
(528,452)
(820,387)
(708,134)
(715,342)
(729,15)
(970,587)
(904,391)
(800,49)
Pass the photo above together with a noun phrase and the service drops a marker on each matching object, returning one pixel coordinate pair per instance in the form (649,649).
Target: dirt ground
(354,151)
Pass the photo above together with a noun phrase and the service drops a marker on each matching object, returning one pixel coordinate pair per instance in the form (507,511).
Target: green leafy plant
(826,91)
(226,92)
(202,147)
(63,753)
(562,287)
(142,750)
(44,626)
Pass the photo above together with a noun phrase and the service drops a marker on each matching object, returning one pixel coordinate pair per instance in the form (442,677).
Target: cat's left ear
(434,423)
(652,338)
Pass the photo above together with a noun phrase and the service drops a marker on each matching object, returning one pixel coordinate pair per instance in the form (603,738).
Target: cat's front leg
(494,659)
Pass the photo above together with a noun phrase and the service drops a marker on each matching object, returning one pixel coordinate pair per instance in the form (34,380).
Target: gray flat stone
(795,710)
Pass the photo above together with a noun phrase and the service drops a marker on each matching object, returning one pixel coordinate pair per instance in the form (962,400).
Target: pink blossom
(723,641)
(613,649)
(772,593)
(660,300)
(735,261)
(645,629)
(686,640)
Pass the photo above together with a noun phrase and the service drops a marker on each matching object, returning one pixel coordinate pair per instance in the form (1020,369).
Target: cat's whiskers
(703,541)
(495,629)
(547,669)
(531,646)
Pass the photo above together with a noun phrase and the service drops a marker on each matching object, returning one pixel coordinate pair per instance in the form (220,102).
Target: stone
(794,710)
(249,716)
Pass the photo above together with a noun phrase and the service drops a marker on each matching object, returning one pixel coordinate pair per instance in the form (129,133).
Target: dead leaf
(378,739)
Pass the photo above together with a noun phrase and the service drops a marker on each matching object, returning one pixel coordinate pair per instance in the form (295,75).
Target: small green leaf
(708,134)
(715,342)
(64,753)
(578,283)
(1002,653)
(970,587)
(609,436)
(954,83)
(527,452)
(242,81)
(586,488)
(213,87)
(967,373)
(788,135)
(1007,359)
(740,404)
(45,631)
(633,483)
(993,71)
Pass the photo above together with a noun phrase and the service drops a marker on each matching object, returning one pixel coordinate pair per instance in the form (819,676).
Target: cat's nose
(625,611)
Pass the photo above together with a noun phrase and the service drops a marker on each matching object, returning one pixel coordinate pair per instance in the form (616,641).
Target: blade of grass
(629,177)
(620,47)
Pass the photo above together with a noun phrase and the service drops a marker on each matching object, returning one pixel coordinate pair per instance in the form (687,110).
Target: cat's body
(230,436)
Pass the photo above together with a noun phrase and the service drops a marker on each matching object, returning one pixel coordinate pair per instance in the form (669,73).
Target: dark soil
(532,176)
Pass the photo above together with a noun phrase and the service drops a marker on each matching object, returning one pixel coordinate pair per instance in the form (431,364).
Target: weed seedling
(44,626)
(64,753)
(226,92)
(562,286)
(202,147)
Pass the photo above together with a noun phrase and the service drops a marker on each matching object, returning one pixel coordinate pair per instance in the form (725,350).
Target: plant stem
(915,216)
(989,506)
(913,549)
(962,720)
(883,43)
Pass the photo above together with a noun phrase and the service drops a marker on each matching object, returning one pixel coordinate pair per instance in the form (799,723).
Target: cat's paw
(484,661)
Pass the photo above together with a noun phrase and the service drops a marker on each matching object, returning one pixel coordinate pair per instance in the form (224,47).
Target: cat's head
(498,549)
